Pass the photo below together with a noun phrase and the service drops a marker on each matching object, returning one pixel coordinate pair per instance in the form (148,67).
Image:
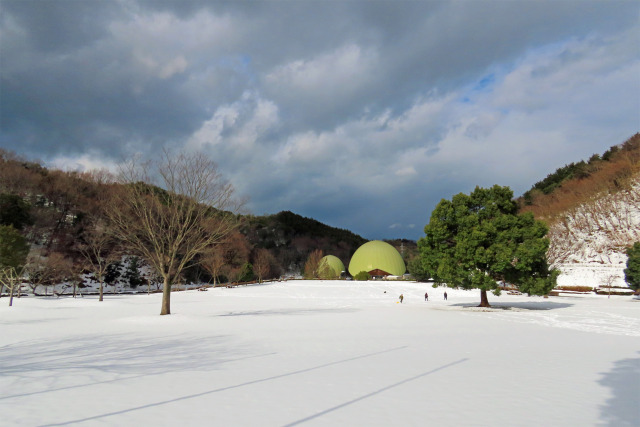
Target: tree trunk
(11,295)
(166,296)
(484,302)
(101,291)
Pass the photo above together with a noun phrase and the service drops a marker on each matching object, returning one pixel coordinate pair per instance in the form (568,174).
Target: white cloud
(566,72)
(239,125)
(496,136)
(339,69)
(175,66)
(406,171)
(83,163)
(324,85)
(163,45)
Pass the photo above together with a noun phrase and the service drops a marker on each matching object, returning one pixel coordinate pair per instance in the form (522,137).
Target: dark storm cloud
(88,100)
(360,113)
(59,26)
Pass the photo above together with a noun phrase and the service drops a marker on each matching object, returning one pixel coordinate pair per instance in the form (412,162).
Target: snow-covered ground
(321,353)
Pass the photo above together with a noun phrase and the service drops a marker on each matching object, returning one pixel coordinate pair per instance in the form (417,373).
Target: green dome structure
(377,258)
(336,267)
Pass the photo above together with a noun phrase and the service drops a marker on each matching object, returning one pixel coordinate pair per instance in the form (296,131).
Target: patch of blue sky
(485,83)
(240,64)
(483,86)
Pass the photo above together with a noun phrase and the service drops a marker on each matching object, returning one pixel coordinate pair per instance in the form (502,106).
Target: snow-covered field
(318,353)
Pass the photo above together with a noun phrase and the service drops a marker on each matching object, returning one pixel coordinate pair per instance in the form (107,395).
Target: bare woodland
(601,226)
(591,239)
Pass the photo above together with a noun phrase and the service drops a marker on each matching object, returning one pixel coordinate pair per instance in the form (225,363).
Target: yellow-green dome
(377,255)
(333,263)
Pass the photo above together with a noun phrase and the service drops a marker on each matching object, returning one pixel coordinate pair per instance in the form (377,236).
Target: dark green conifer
(474,241)
(632,272)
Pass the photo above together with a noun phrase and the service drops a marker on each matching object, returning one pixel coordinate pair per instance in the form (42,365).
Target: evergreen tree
(13,248)
(416,268)
(632,272)
(362,276)
(14,211)
(132,274)
(13,256)
(246,274)
(113,273)
(476,240)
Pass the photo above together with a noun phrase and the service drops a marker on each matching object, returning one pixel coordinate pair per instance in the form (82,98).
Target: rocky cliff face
(588,243)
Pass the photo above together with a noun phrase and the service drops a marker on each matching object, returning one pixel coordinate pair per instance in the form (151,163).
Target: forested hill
(593,212)
(291,238)
(51,209)
(576,183)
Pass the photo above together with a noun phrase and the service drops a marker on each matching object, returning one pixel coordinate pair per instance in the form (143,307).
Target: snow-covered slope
(588,245)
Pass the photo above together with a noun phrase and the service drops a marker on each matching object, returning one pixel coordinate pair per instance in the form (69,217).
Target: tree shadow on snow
(249,383)
(375,392)
(287,311)
(94,358)
(515,306)
(622,409)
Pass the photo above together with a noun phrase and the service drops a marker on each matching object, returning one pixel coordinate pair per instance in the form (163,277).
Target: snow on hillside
(589,244)
(320,353)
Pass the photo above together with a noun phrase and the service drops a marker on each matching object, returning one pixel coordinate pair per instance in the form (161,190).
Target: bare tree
(213,262)
(610,279)
(262,264)
(11,278)
(233,273)
(34,270)
(98,250)
(77,269)
(47,270)
(235,249)
(312,265)
(169,212)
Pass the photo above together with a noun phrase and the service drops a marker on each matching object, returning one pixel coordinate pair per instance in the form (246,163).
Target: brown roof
(377,272)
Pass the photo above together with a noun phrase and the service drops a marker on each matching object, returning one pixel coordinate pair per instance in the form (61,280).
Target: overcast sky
(361,114)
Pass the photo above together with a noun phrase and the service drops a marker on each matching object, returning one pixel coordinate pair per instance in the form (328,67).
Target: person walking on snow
(426,296)
(445,295)
(401,298)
